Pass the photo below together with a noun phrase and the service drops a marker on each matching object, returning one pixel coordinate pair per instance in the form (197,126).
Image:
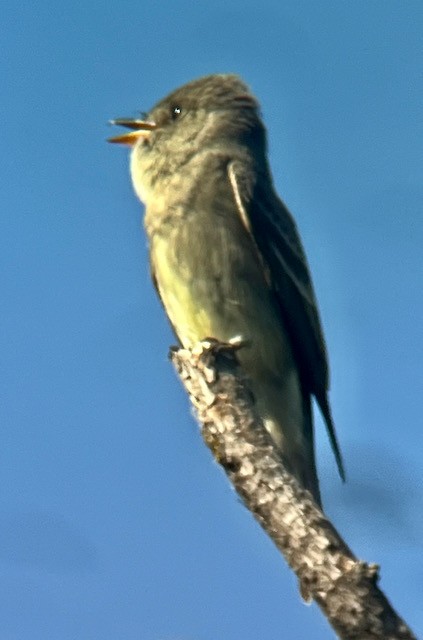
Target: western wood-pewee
(226,257)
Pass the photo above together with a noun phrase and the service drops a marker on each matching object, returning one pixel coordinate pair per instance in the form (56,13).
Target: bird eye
(176,112)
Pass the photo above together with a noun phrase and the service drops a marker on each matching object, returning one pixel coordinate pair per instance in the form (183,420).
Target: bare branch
(344,588)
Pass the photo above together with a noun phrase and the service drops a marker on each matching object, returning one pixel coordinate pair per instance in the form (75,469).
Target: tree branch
(344,588)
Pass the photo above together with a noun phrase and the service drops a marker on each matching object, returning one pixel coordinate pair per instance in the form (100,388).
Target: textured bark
(344,588)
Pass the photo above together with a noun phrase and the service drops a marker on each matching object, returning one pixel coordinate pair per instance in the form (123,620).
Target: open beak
(140,129)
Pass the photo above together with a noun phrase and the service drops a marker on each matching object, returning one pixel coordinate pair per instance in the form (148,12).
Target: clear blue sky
(115,523)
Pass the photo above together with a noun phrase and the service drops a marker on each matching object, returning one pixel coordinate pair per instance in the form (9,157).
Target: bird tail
(323,403)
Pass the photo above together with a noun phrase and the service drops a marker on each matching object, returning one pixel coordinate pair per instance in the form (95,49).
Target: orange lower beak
(141,129)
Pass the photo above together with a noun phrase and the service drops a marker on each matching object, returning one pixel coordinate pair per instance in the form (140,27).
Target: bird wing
(274,233)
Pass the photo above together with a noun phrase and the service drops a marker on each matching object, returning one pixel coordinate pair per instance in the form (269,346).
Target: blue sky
(114,520)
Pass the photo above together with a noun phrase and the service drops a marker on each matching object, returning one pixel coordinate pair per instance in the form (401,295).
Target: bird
(226,257)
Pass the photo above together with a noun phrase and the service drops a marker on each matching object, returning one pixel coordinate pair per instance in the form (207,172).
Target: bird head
(214,112)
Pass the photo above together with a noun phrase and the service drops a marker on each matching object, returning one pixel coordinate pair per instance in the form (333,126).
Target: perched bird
(226,257)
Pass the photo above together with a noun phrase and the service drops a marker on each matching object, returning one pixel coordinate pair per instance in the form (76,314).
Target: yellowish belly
(199,306)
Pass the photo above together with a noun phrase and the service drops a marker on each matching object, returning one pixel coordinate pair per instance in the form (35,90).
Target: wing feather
(275,235)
